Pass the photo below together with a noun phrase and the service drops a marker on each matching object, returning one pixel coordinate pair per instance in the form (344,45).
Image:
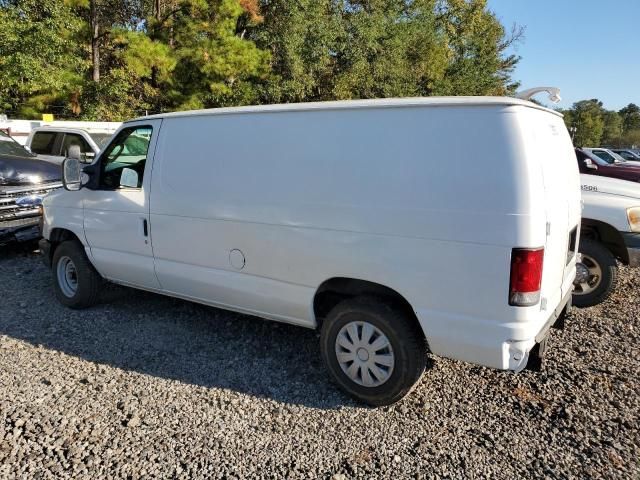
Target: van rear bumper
(536,354)
(632,242)
(488,343)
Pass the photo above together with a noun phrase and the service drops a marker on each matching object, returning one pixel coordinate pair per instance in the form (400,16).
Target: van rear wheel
(75,281)
(596,276)
(373,350)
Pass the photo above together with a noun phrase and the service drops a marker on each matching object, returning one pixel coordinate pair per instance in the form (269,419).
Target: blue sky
(587,48)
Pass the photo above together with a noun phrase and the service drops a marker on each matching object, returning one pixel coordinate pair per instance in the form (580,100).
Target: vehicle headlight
(633,215)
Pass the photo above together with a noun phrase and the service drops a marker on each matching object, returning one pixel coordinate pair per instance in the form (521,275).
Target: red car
(599,161)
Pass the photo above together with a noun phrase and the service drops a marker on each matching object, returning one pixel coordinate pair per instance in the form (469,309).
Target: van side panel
(428,201)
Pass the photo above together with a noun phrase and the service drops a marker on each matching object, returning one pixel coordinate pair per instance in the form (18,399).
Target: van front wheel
(373,350)
(75,281)
(596,275)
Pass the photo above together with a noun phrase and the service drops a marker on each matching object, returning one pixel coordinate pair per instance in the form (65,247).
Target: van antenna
(554,93)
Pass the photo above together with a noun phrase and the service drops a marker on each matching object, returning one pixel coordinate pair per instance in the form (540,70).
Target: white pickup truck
(610,230)
(51,143)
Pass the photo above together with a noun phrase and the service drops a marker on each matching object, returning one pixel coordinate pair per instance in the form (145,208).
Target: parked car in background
(628,155)
(601,162)
(608,155)
(339,216)
(52,143)
(24,181)
(610,231)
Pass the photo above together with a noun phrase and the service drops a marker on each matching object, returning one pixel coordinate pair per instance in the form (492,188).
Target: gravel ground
(143,385)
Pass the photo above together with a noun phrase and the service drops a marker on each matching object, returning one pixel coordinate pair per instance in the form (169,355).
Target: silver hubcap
(364,354)
(67,276)
(588,276)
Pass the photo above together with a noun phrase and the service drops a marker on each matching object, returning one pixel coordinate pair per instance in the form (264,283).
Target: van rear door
(553,150)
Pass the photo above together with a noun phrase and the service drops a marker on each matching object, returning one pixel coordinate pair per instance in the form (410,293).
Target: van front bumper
(632,242)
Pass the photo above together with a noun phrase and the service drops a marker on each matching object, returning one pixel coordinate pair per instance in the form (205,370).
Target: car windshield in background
(101,139)
(8,146)
(628,155)
(608,157)
(618,158)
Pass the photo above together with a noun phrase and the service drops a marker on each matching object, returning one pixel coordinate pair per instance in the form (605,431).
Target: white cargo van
(393,226)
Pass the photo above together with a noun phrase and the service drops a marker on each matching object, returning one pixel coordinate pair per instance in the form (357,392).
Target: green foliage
(304,40)
(40,62)
(630,138)
(594,126)
(326,49)
(612,128)
(115,59)
(630,117)
(390,49)
(586,117)
(477,42)
(213,64)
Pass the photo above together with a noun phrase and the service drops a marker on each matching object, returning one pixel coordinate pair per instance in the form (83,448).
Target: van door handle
(145,227)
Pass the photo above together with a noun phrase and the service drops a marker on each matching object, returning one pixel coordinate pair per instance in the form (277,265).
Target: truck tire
(75,281)
(602,274)
(373,350)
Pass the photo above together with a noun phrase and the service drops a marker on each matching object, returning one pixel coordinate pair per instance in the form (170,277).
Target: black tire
(605,260)
(404,335)
(89,281)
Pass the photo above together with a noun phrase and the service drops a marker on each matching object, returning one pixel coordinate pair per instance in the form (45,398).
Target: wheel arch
(606,234)
(56,237)
(336,289)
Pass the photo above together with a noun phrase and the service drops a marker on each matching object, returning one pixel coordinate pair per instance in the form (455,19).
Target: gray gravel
(145,385)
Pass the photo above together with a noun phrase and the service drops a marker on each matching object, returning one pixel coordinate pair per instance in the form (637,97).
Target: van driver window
(127,151)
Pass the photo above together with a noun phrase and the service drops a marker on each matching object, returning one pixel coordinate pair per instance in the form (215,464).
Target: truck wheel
(373,350)
(596,276)
(75,281)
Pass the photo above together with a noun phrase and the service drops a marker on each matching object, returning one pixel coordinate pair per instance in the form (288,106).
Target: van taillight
(526,276)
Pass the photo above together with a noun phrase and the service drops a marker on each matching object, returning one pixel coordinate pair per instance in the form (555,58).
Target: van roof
(357,104)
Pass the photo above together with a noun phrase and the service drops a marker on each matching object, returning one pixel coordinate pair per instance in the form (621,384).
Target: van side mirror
(588,163)
(71,174)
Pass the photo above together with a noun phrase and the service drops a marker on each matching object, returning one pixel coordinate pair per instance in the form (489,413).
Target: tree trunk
(95,42)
